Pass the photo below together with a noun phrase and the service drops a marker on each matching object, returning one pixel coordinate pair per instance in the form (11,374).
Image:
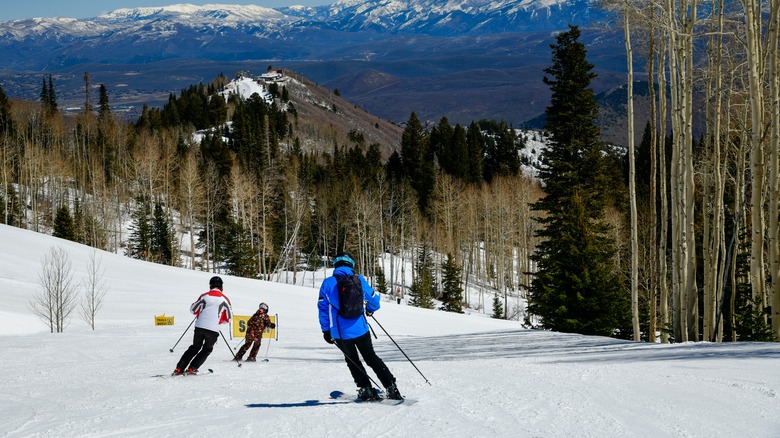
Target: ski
(339,395)
(165,376)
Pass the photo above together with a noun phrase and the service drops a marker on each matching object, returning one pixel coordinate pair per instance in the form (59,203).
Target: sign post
(163,320)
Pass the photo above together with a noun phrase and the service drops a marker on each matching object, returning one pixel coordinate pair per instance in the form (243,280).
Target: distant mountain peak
(178,12)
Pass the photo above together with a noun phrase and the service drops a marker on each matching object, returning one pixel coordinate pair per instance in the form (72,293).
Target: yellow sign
(163,320)
(240,323)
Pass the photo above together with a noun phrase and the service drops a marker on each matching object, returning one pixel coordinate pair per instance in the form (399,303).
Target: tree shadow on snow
(563,348)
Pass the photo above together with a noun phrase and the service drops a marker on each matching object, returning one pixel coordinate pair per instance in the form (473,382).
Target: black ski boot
(393,393)
(367,393)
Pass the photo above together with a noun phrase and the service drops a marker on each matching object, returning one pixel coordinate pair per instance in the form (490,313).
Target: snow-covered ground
(487,377)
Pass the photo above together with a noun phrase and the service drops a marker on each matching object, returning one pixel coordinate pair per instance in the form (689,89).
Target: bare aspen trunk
(662,248)
(691,289)
(754,53)
(774,163)
(681,78)
(632,182)
(654,280)
(675,181)
(714,234)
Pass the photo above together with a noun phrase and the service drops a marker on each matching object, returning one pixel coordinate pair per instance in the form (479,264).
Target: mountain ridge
(463,59)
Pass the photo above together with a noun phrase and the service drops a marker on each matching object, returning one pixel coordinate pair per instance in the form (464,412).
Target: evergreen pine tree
(498,308)
(6,120)
(381,282)
(418,161)
(139,241)
(459,153)
(423,287)
(475,148)
(239,258)
(162,237)
(575,288)
(452,291)
(501,150)
(104,107)
(52,102)
(440,140)
(63,224)
(752,324)
(45,100)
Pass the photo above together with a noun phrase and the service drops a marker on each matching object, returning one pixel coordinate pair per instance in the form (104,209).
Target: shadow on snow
(305,404)
(563,348)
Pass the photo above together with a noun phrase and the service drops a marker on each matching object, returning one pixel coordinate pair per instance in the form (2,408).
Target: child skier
(254,332)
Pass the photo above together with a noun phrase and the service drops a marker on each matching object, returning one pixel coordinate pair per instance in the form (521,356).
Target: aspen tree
(632,177)
(755,55)
(774,163)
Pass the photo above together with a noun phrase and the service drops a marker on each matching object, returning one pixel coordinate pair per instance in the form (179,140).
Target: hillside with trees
(279,186)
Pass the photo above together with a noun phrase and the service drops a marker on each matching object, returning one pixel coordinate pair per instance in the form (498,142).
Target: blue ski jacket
(328,305)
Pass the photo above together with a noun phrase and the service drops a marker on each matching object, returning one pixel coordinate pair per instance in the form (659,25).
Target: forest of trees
(252,202)
(677,238)
(705,260)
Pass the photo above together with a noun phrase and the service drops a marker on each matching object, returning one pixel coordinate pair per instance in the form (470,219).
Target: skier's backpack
(350,296)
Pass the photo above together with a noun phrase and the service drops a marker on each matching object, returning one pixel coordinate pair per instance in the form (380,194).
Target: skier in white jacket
(210,309)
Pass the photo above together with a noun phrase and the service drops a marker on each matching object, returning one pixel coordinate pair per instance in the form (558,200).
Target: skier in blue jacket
(352,335)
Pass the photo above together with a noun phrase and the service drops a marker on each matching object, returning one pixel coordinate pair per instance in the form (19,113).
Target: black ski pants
(202,345)
(350,348)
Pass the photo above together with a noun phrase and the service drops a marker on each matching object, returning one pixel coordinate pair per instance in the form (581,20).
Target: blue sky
(15,9)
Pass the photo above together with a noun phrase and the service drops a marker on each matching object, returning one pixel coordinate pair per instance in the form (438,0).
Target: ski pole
(182,335)
(356,365)
(267,347)
(239,343)
(401,350)
(228,346)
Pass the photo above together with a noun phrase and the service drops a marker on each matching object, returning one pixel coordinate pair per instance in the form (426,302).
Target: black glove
(328,337)
(272,325)
(369,313)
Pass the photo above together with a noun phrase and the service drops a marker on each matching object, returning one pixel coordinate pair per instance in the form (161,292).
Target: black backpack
(350,296)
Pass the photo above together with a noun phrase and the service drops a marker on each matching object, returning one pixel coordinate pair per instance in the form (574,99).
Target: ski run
(489,378)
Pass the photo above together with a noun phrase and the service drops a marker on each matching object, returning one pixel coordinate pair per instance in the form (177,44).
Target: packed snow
(488,378)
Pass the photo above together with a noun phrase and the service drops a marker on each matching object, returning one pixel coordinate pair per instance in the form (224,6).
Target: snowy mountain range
(451,17)
(150,33)
(386,56)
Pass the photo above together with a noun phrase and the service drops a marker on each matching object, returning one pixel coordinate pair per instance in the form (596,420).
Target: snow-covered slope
(488,378)
(245,87)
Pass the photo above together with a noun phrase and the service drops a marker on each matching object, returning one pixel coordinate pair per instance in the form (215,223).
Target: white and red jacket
(211,309)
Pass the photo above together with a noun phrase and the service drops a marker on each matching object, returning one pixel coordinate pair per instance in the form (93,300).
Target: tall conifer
(452,289)
(63,224)
(576,288)
(418,161)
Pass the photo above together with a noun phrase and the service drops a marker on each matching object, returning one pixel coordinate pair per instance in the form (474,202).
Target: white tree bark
(632,179)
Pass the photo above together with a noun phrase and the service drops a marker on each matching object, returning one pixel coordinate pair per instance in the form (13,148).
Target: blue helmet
(343,259)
